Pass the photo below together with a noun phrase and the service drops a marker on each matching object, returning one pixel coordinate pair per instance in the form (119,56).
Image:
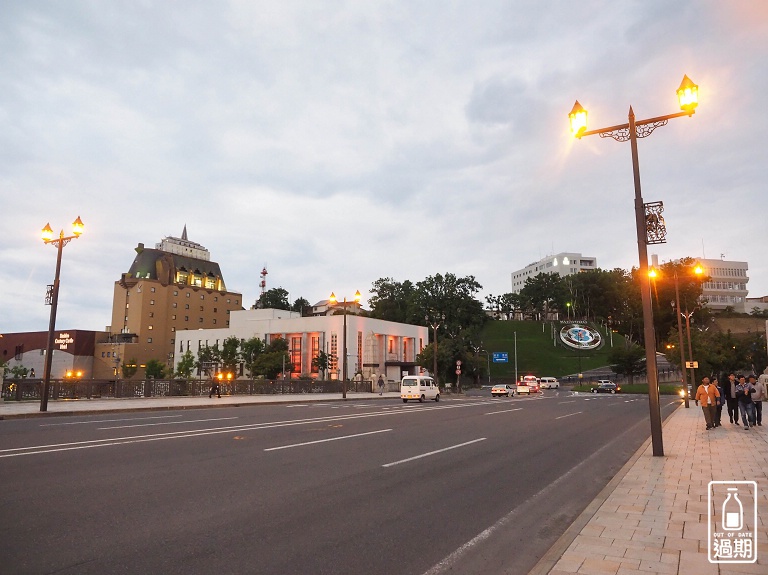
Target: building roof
(162,266)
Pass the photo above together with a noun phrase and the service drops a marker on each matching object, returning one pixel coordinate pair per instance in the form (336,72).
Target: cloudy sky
(339,142)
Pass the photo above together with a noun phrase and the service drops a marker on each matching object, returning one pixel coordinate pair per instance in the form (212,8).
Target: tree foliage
(155,369)
(274,298)
(629,360)
(186,365)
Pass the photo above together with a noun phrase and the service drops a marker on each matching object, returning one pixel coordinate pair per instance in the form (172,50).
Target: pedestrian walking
(381,384)
(729,389)
(707,394)
(744,393)
(720,402)
(215,388)
(760,395)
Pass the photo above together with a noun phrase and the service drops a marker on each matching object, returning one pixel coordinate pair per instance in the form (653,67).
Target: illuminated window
(149,327)
(149,340)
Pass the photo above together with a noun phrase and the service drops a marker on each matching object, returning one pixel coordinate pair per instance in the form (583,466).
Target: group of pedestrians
(743,396)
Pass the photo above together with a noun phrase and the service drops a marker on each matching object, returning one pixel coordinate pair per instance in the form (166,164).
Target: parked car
(527,384)
(549,383)
(502,389)
(605,386)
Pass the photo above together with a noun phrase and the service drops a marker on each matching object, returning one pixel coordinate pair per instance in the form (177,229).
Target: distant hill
(538,352)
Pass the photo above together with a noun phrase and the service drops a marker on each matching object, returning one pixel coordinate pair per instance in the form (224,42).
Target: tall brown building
(173,287)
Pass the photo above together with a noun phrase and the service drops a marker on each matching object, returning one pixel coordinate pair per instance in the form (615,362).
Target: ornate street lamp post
(334,301)
(435,324)
(648,222)
(52,298)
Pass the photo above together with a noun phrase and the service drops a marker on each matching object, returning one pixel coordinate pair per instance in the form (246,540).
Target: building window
(201,308)
(173,329)
(175,292)
(186,306)
(151,302)
(215,298)
(215,310)
(186,318)
(214,322)
(151,314)
(200,320)
(149,327)
(149,340)
(202,296)
(173,316)
(152,290)
(187,294)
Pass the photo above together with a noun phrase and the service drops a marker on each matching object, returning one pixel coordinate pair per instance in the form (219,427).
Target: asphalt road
(469,485)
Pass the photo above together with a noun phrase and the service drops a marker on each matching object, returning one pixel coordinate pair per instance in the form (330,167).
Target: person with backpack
(707,394)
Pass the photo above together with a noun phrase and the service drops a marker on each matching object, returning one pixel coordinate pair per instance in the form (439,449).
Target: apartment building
(563,264)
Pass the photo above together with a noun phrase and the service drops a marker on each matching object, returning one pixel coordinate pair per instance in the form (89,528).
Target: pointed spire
(184,233)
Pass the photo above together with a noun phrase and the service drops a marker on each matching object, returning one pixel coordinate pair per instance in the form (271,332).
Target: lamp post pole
(690,346)
(435,324)
(649,226)
(52,299)
(334,301)
(680,341)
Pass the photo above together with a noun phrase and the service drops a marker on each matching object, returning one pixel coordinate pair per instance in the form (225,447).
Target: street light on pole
(335,301)
(435,324)
(52,298)
(649,224)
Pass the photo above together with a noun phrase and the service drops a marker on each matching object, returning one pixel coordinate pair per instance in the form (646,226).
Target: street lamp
(435,324)
(334,301)
(52,298)
(648,222)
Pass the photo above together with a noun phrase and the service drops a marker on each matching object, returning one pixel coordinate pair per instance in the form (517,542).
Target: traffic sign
(500,357)
(458,372)
(691,364)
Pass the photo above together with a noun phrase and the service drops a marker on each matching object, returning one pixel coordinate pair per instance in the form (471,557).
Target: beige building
(727,285)
(173,287)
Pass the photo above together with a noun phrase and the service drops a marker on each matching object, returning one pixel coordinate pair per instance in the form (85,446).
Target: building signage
(500,357)
(63,340)
(580,336)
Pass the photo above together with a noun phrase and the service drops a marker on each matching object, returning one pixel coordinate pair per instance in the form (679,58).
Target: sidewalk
(652,517)
(23,409)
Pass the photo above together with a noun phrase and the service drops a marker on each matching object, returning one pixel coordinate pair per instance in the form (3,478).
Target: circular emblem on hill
(580,337)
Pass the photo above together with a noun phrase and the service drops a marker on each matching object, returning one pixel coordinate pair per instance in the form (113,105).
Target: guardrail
(31,389)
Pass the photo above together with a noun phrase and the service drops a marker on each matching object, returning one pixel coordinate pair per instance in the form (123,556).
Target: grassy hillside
(537,352)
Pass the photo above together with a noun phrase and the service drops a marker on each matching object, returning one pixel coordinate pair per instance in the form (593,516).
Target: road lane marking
(108,420)
(504,411)
(570,414)
(326,440)
(167,423)
(432,452)
(105,442)
(562,402)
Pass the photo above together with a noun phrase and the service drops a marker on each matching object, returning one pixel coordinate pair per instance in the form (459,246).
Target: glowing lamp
(47,233)
(578,119)
(77,227)
(688,95)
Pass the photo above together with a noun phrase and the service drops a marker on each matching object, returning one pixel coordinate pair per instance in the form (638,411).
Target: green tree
(207,358)
(301,306)
(230,354)
(322,363)
(545,293)
(155,369)
(250,350)
(275,357)
(392,300)
(186,365)
(275,298)
(19,372)
(130,368)
(629,361)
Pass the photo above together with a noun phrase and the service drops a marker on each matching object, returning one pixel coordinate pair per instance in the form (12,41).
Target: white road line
(504,411)
(562,402)
(297,405)
(432,453)
(107,420)
(570,414)
(326,440)
(166,423)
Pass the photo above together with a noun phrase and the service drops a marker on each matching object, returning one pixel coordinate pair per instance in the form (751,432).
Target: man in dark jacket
(729,392)
(744,391)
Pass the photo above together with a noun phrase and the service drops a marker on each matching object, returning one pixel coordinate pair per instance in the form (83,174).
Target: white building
(727,285)
(563,264)
(374,346)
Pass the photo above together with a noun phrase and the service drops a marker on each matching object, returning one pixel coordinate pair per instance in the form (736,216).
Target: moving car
(418,387)
(605,386)
(527,384)
(549,383)
(502,389)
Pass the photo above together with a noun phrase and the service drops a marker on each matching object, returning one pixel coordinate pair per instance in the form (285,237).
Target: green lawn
(537,353)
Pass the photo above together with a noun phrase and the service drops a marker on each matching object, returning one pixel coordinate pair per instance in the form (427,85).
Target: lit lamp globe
(688,95)
(578,120)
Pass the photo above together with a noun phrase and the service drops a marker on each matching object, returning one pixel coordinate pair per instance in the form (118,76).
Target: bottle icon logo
(733,511)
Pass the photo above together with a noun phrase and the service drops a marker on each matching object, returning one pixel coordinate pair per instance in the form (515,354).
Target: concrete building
(73,352)
(374,346)
(727,285)
(174,286)
(563,264)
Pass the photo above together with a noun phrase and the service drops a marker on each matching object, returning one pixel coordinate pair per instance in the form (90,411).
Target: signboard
(692,365)
(500,357)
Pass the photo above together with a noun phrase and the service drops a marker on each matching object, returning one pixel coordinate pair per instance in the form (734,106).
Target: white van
(549,383)
(418,387)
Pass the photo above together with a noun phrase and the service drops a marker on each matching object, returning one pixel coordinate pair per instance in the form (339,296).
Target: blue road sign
(500,357)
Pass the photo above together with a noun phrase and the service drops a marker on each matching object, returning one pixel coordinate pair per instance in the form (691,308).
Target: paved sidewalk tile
(655,520)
